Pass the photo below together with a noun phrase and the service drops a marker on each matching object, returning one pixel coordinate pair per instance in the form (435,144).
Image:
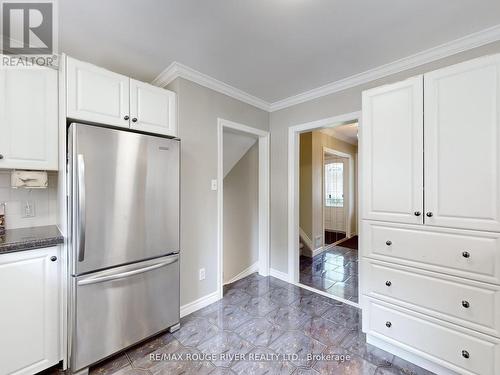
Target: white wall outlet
(202,274)
(28,209)
(214,185)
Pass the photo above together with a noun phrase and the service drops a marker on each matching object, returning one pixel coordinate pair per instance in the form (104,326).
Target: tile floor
(334,271)
(262,318)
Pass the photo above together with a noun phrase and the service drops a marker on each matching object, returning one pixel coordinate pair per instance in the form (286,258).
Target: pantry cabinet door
(96,95)
(462,145)
(391,140)
(28,118)
(152,109)
(30,300)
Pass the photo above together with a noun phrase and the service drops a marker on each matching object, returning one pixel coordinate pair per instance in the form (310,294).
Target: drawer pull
(466,254)
(429,214)
(388,283)
(388,243)
(417,213)
(53,258)
(389,324)
(465,354)
(465,304)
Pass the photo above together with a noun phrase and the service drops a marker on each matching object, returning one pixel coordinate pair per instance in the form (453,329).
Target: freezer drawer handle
(128,273)
(81,208)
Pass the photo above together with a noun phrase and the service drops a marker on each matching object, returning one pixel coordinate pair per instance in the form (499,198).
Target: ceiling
(347,133)
(272,49)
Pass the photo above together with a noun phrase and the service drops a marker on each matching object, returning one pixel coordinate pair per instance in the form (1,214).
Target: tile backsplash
(45,202)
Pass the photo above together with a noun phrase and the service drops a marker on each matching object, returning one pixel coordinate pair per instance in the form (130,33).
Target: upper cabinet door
(28,118)
(96,95)
(392,152)
(152,109)
(462,145)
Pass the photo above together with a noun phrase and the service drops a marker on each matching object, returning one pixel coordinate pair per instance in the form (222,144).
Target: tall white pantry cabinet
(430,228)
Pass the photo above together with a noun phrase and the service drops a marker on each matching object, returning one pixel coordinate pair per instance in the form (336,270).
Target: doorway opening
(242,202)
(323,201)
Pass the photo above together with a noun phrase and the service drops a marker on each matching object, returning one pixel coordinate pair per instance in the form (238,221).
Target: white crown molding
(465,43)
(176,70)
(453,47)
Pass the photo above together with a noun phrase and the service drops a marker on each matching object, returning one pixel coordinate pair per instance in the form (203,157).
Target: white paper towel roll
(29,179)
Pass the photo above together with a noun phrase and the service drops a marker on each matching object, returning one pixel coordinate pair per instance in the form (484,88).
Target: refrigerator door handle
(99,279)
(81,208)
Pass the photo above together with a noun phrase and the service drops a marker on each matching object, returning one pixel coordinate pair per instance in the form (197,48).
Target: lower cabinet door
(457,350)
(117,308)
(29,311)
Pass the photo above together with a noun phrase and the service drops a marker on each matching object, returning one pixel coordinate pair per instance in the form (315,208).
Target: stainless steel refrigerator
(124,258)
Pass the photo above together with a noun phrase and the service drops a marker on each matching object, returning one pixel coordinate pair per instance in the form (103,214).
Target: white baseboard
(305,238)
(200,303)
(317,251)
(279,275)
(246,272)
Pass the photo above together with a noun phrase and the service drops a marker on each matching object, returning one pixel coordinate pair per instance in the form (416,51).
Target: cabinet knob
(429,214)
(388,324)
(388,242)
(1,156)
(388,283)
(465,354)
(126,117)
(465,304)
(466,254)
(417,213)
(134,119)
(53,258)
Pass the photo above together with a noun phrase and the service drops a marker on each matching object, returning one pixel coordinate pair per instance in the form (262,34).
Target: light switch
(214,184)
(28,209)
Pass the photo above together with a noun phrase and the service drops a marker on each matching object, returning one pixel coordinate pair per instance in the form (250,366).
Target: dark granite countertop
(30,238)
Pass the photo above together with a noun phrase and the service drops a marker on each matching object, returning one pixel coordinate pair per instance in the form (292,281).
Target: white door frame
(293,188)
(263,139)
(347,202)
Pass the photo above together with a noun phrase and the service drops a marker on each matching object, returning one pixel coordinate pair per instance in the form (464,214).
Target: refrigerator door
(124,197)
(117,308)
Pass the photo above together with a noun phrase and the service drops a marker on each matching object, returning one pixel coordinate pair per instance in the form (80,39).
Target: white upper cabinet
(392,154)
(462,145)
(96,95)
(152,109)
(99,96)
(28,118)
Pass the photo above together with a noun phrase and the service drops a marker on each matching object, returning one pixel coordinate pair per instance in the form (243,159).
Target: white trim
(293,183)
(200,303)
(326,294)
(453,47)
(474,40)
(264,202)
(176,70)
(246,272)
(278,274)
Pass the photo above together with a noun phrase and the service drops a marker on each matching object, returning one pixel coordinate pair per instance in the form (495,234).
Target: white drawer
(474,305)
(433,341)
(437,249)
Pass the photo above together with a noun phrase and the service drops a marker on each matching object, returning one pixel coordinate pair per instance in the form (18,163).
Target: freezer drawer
(117,308)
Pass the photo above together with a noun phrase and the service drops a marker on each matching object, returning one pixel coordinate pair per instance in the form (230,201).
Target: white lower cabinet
(462,351)
(30,311)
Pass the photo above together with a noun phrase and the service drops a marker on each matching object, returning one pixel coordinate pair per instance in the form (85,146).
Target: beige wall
(241,214)
(311,181)
(198,110)
(328,106)
(324,140)
(305,184)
